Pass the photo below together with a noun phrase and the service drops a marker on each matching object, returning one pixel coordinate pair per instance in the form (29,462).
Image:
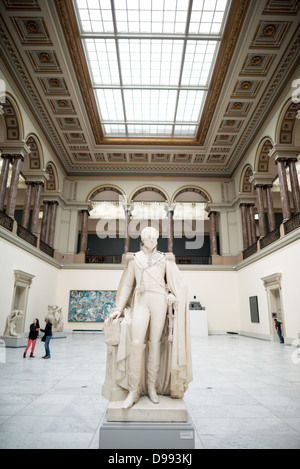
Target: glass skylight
(150,62)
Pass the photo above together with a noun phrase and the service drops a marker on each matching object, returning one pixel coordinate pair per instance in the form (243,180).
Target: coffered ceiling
(41,48)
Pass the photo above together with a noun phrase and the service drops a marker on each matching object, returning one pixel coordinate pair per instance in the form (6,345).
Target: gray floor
(245,394)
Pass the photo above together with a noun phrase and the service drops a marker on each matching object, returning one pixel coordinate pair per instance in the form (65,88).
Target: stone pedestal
(198,321)
(12,342)
(59,335)
(168,410)
(166,425)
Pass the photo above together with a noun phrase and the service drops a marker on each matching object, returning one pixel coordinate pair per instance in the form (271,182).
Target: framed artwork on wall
(254,309)
(91,305)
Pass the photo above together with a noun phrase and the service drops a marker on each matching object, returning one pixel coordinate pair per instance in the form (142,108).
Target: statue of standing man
(154,352)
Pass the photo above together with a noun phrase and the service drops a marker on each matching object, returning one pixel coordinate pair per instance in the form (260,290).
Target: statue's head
(149,237)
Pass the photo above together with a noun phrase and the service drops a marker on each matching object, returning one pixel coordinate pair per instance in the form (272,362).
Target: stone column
(128,210)
(252,223)
(213,233)
(271,214)
(284,193)
(43,235)
(261,211)
(84,231)
(27,204)
(13,190)
(294,183)
(245,226)
(52,223)
(170,211)
(3,178)
(36,207)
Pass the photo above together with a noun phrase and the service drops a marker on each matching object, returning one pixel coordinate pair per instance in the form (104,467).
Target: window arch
(191,194)
(106,193)
(262,158)
(36,157)
(285,130)
(52,183)
(246,187)
(149,194)
(14,129)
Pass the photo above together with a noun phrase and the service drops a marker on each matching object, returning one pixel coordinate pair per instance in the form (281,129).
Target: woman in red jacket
(33,335)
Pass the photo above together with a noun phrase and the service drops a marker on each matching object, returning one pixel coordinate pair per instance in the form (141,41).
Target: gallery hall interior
(150,224)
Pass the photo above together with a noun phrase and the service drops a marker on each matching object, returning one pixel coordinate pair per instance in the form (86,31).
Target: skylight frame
(113,67)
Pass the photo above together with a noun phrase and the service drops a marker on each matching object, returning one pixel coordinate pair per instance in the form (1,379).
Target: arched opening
(52,182)
(14,129)
(36,158)
(105,237)
(246,186)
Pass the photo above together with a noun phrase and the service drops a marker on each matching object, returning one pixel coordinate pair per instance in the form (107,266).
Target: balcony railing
(102,259)
(250,251)
(46,249)
(292,224)
(6,221)
(270,238)
(193,260)
(26,235)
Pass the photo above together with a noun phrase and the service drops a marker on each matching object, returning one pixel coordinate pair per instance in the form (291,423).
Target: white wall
(286,262)
(43,289)
(216,290)
(225,294)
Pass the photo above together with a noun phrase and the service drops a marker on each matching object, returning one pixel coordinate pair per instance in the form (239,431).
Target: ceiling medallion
(69,120)
(62,103)
(230,122)
(246,85)
(32,27)
(269,30)
(237,105)
(54,82)
(44,57)
(257,60)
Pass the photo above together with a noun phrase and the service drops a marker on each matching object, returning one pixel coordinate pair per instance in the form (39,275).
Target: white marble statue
(11,324)
(56,318)
(150,324)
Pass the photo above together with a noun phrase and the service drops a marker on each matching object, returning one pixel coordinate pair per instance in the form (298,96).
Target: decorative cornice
(237,16)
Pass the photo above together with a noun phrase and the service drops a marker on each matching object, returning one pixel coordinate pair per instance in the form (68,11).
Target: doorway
(20,296)
(272,285)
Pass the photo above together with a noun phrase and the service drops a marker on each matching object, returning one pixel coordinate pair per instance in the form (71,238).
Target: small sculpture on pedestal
(11,324)
(148,332)
(56,318)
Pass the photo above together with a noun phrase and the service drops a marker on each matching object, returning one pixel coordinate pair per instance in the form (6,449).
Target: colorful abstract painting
(91,305)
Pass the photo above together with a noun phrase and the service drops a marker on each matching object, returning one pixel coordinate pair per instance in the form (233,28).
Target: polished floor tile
(245,394)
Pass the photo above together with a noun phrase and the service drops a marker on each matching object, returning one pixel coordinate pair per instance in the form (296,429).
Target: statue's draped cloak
(175,371)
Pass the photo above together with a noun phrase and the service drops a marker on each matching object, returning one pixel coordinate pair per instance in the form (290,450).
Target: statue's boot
(153,369)
(135,375)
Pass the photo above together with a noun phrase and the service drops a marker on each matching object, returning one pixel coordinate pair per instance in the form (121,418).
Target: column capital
(211,212)
(16,149)
(284,152)
(259,179)
(170,207)
(37,176)
(85,210)
(292,160)
(128,208)
(6,156)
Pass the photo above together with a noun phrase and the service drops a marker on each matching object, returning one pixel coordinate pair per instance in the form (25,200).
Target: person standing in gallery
(33,335)
(47,337)
(278,329)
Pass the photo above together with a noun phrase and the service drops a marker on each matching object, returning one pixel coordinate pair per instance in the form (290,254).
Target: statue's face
(150,243)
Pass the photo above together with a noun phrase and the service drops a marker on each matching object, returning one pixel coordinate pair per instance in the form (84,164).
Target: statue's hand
(171,299)
(115,314)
